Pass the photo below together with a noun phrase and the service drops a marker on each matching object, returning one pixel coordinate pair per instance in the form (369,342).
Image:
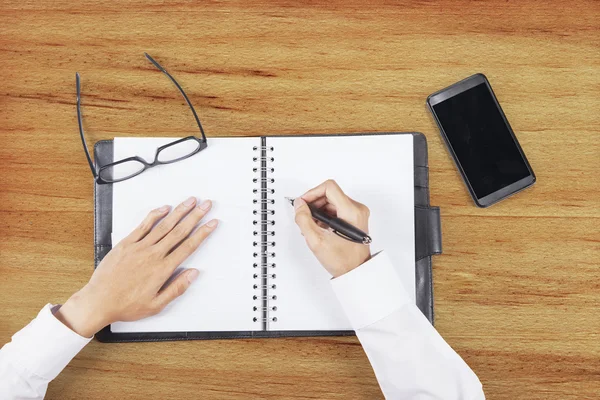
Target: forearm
(410,359)
(36,355)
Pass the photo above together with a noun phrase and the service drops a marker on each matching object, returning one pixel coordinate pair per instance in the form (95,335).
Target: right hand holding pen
(336,254)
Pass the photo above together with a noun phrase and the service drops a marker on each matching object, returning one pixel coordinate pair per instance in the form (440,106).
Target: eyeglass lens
(177,151)
(124,170)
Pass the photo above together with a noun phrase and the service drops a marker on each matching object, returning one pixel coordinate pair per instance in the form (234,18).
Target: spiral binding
(264,265)
(272,244)
(263,212)
(268,233)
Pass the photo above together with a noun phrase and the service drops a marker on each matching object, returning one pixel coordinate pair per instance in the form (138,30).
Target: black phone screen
(481,140)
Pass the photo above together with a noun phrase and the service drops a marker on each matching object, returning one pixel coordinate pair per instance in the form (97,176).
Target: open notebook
(281,290)
(256,272)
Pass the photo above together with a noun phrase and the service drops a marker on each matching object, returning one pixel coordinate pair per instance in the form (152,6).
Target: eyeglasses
(129,167)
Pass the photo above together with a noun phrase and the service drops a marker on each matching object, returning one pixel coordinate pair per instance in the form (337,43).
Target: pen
(339,226)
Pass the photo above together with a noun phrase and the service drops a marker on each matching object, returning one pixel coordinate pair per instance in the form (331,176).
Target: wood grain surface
(517,289)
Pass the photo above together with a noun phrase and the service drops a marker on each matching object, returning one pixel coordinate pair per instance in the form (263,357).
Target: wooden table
(517,288)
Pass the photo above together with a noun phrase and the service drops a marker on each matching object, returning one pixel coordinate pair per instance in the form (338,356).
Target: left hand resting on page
(127,284)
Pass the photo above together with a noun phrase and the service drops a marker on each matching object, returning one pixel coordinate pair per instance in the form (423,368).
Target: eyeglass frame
(202,143)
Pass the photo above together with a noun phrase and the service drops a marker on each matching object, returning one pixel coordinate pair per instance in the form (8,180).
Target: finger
(320,202)
(305,221)
(330,209)
(169,222)
(325,206)
(331,190)
(175,288)
(184,227)
(146,225)
(322,225)
(189,245)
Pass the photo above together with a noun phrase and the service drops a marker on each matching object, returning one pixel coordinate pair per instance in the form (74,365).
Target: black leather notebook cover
(428,241)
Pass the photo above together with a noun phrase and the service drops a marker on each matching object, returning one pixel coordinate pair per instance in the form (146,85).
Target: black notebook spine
(264,233)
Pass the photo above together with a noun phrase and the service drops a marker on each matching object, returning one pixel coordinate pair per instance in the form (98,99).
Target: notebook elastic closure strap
(428,232)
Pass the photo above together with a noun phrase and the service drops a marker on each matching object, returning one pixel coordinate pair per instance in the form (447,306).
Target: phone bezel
(454,90)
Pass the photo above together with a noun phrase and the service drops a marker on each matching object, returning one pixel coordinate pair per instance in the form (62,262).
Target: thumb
(176,288)
(304,220)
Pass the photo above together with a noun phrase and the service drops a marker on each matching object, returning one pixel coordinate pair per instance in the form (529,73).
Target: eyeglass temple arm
(80,121)
(160,67)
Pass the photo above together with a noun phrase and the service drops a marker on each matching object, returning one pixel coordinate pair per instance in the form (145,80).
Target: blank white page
(221,298)
(376,170)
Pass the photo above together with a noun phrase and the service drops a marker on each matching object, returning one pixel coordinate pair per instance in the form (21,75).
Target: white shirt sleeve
(36,355)
(409,357)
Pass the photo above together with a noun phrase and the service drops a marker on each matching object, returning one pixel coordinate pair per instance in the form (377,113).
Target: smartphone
(480,140)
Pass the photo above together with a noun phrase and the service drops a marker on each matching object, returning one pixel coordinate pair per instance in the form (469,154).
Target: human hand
(336,254)
(126,286)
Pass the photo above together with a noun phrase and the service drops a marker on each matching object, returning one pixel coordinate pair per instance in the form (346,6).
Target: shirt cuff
(370,292)
(46,345)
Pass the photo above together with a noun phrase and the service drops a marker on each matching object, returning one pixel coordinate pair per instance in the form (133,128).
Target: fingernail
(189,201)
(192,275)
(212,223)
(298,202)
(205,205)
(164,209)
